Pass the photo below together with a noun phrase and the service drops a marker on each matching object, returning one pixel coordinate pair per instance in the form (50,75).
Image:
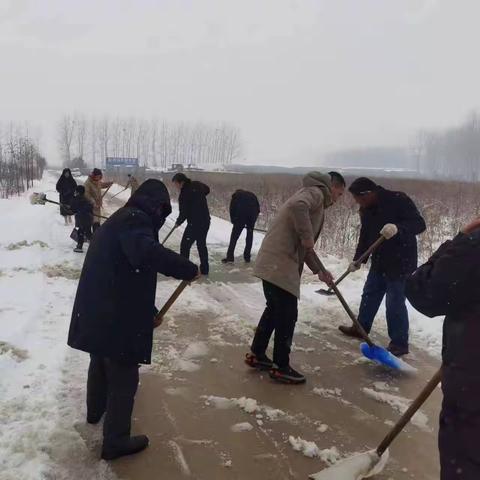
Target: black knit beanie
(362,186)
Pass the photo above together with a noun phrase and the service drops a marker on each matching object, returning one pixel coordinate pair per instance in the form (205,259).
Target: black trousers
(84,233)
(95,226)
(235,235)
(280,316)
(111,389)
(198,234)
(459,439)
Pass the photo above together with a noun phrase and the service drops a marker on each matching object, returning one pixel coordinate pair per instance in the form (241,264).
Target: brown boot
(350,331)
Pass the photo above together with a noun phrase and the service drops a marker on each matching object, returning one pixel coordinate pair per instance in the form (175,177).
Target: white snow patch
(241,427)
(400,404)
(311,450)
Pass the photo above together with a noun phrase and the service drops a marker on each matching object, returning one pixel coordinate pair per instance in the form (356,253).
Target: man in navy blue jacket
(395,216)
(114,310)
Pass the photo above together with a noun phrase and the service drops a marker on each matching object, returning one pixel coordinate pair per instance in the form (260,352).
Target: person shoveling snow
(395,216)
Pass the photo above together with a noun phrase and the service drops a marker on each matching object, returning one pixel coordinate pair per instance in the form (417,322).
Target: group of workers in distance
(114,311)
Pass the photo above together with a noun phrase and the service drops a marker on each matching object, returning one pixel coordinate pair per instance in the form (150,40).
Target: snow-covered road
(207,416)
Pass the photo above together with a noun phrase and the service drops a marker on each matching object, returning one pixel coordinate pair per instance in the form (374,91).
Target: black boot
(397,350)
(228,260)
(124,446)
(351,331)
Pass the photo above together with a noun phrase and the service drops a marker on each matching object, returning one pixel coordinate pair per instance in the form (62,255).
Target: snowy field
(43,433)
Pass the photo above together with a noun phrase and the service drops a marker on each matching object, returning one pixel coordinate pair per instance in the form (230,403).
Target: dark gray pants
(111,389)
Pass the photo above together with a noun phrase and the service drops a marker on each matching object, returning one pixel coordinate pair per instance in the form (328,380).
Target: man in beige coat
(287,245)
(93,193)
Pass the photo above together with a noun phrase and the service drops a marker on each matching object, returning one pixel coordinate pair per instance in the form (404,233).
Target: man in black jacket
(449,284)
(193,206)
(244,211)
(395,216)
(113,314)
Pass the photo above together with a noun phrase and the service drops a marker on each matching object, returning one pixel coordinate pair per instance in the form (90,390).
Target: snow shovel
(41,199)
(169,234)
(365,465)
(178,291)
(369,349)
(358,262)
(118,193)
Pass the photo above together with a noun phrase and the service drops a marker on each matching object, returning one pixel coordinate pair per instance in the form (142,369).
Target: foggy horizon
(299,79)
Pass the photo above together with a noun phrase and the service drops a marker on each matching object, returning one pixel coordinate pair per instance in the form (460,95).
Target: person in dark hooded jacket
(83,211)
(113,313)
(244,211)
(66,188)
(449,285)
(193,206)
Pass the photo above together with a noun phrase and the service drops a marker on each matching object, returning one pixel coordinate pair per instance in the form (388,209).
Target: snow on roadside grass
(37,412)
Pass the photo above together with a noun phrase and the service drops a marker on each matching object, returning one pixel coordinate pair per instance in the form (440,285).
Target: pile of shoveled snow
(311,450)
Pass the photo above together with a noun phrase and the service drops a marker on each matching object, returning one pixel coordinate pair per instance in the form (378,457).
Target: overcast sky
(297,76)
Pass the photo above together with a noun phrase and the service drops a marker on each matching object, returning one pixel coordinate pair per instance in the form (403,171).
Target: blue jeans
(376,287)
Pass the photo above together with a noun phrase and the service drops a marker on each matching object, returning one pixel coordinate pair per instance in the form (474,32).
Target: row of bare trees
(155,143)
(20,160)
(450,153)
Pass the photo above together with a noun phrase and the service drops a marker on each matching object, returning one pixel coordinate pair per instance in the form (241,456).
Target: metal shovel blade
(384,357)
(356,467)
(325,292)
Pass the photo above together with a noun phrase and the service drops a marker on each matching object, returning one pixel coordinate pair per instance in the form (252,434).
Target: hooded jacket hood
(322,181)
(148,197)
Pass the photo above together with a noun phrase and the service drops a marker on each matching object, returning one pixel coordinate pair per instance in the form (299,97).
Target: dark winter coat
(449,285)
(244,208)
(398,256)
(115,302)
(66,188)
(83,211)
(193,205)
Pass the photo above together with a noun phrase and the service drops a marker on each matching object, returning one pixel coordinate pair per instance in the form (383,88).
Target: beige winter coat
(281,256)
(93,193)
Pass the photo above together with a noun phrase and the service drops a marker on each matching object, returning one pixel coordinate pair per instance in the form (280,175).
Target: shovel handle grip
(178,291)
(370,250)
(345,305)
(412,409)
(361,259)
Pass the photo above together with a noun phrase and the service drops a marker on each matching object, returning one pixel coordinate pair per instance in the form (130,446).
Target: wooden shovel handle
(352,316)
(361,259)
(169,234)
(412,409)
(178,291)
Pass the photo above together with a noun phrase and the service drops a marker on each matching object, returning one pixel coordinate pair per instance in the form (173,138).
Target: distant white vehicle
(76,172)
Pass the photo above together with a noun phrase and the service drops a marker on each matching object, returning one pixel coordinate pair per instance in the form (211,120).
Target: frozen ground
(207,416)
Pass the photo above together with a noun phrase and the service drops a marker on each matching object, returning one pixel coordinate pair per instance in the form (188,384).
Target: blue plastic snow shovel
(369,349)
